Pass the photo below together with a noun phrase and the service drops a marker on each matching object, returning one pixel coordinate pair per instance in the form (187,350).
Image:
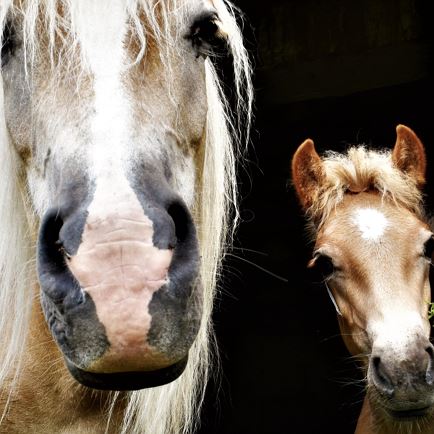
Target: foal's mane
(361,169)
(172,408)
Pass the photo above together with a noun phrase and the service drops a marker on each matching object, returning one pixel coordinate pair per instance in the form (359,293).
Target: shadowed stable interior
(340,73)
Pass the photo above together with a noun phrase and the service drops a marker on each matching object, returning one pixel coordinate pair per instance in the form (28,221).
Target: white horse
(117,195)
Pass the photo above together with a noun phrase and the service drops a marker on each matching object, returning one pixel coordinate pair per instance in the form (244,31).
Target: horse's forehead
(370,223)
(366,222)
(98,31)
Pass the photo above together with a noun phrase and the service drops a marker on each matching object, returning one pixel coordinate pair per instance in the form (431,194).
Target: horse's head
(373,249)
(111,109)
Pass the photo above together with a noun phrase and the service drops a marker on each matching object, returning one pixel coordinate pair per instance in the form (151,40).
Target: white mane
(172,408)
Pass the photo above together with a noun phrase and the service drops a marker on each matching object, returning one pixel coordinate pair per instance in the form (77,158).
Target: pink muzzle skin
(119,267)
(119,271)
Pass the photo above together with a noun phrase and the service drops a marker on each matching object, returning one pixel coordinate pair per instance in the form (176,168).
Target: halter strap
(333,299)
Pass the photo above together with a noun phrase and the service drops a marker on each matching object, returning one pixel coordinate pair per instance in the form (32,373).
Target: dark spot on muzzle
(63,301)
(178,306)
(46,161)
(183,294)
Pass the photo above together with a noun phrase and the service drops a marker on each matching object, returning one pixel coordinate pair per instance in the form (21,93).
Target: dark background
(340,72)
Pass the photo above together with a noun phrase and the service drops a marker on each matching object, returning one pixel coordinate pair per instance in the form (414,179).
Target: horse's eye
(428,248)
(207,37)
(8,43)
(323,265)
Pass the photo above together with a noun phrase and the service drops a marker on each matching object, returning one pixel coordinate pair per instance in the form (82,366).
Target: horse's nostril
(54,275)
(62,249)
(380,377)
(182,220)
(50,246)
(429,376)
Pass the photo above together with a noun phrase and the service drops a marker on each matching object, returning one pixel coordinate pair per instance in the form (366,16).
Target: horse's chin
(409,414)
(402,410)
(126,381)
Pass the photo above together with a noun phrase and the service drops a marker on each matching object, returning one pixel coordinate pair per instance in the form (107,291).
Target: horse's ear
(409,154)
(307,173)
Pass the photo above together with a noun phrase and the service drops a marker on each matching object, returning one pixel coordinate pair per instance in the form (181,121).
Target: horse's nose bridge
(114,209)
(119,205)
(109,227)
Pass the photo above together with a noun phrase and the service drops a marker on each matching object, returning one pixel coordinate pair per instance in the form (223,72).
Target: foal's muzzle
(120,289)
(404,383)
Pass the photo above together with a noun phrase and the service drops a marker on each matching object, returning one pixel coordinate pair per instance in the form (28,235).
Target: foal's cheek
(352,335)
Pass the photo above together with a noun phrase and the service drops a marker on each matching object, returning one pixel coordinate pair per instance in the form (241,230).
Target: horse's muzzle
(403,382)
(120,290)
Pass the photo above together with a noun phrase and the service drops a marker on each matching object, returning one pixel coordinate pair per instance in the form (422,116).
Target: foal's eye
(206,36)
(428,248)
(8,43)
(323,265)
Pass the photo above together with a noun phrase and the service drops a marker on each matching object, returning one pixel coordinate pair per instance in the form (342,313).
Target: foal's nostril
(429,376)
(380,377)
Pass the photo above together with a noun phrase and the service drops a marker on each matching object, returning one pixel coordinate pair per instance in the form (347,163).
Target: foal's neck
(370,423)
(48,400)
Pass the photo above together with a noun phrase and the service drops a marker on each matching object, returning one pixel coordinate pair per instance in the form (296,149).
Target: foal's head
(373,248)
(116,114)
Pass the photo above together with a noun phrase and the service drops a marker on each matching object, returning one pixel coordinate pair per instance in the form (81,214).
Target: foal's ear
(307,173)
(409,154)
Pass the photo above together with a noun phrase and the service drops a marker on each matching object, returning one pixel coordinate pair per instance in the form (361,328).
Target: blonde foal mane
(362,169)
(172,408)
